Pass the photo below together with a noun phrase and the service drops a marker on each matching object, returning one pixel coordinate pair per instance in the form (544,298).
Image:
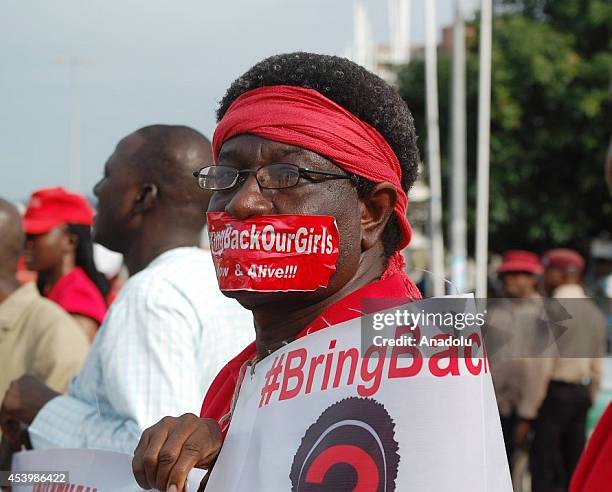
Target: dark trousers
(559,436)
(508,425)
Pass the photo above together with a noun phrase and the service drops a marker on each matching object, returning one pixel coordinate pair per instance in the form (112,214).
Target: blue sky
(144,62)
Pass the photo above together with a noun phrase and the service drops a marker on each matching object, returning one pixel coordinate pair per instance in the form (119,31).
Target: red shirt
(77,294)
(218,399)
(594,470)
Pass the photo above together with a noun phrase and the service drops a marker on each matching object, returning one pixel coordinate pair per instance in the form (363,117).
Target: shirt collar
(167,255)
(569,291)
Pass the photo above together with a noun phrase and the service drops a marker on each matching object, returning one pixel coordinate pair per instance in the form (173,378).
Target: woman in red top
(60,249)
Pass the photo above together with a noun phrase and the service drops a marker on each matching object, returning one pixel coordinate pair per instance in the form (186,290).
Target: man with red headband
(322,152)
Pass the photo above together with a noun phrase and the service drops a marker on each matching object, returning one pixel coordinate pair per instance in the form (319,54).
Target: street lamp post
(74,141)
(484,127)
(458,187)
(433,151)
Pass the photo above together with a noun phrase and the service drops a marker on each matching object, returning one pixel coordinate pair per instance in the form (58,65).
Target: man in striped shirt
(169,331)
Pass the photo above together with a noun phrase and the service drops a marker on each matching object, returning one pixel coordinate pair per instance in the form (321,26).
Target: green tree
(551,118)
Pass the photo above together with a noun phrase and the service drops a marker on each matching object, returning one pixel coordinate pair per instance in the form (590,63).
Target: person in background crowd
(36,336)
(560,390)
(59,247)
(169,330)
(351,141)
(516,319)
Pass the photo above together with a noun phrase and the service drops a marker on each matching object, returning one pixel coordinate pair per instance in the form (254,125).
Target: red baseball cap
(50,207)
(564,259)
(518,260)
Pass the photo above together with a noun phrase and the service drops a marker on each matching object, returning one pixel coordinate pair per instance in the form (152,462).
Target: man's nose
(248,201)
(95,189)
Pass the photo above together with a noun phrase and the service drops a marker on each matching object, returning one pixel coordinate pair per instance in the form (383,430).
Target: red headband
(305,118)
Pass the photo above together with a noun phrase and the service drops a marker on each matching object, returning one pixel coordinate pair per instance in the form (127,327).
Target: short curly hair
(359,91)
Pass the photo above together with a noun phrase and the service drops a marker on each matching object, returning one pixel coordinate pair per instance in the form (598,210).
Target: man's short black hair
(172,153)
(357,90)
(168,158)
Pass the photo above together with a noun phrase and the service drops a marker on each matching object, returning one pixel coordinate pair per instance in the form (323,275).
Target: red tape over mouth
(273,253)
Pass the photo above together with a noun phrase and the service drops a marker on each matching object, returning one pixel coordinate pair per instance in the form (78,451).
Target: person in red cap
(519,274)
(516,316)
(563,275)
(563,386)
(59,247)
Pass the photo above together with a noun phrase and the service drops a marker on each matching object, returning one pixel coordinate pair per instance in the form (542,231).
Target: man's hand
(13,433)
(24,399)
(169,450)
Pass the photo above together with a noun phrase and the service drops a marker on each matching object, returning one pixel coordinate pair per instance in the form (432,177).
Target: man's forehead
(256,150)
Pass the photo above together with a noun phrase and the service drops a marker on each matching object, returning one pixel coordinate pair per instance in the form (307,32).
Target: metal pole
(608,167)
(484,122)
(405,14)
(362,48)
(399,28)
(458,156)
(433,151)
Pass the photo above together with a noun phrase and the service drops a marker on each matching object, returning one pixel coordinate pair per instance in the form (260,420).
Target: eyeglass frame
(253,172)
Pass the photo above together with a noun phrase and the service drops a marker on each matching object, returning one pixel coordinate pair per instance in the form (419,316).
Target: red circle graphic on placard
(351,447)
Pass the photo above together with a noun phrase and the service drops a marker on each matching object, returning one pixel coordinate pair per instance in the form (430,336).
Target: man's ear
(375,213)
(145,200)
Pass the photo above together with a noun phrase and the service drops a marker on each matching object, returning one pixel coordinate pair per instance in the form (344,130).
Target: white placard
(92,470)
(322,413)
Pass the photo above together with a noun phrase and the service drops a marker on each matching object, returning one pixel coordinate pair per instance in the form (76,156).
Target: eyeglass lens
(274,176)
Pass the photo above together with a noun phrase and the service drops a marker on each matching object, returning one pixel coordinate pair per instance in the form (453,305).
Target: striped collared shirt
(166,336)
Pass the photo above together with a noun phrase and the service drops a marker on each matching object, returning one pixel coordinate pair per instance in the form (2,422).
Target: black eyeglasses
(271,177)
